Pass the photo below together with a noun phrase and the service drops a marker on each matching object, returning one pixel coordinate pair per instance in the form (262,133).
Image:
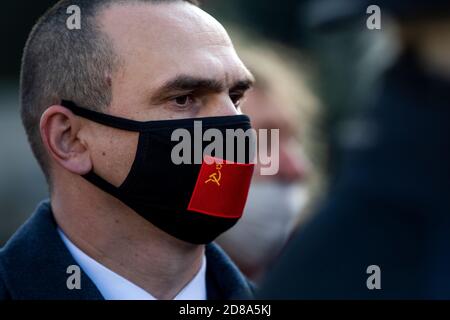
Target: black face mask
(192,202)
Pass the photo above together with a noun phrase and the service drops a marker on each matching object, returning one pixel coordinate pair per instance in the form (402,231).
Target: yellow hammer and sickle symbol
(216,176)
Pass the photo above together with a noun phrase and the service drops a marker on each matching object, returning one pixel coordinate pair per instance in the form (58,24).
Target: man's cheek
(114,154)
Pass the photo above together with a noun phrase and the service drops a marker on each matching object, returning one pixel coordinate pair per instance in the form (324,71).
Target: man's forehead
(161,24)
(158,43)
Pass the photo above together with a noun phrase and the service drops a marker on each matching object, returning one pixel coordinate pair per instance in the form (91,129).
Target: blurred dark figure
(390,204)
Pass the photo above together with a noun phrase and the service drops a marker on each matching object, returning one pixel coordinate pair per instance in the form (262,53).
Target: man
(99,104)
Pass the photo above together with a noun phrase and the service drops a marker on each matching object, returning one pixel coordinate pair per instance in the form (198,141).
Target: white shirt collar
(115,287)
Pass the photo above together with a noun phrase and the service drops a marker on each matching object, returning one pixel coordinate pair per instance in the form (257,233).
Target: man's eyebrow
(185,83)
(243,85)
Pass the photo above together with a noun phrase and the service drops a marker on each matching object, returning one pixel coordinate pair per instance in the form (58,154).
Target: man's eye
(184,101)
(236,98)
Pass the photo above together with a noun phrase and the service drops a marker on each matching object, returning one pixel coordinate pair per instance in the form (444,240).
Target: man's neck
(115,236)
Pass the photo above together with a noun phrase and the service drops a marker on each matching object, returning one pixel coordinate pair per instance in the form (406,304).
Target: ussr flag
(222,188)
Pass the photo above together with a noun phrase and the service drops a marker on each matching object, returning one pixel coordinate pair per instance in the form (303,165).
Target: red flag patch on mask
(222,188)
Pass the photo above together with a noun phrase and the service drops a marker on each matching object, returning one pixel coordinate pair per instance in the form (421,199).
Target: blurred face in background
(268,111)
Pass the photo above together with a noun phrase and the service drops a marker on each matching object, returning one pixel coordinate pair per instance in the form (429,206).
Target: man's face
(177,62)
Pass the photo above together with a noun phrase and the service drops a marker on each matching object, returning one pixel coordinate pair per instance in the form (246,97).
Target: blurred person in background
(280,99)
(383,231)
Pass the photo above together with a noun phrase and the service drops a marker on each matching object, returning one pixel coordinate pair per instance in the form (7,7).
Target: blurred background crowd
(364,144)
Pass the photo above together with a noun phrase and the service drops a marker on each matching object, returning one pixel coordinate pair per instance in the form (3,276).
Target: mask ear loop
(101,183)
(105,119)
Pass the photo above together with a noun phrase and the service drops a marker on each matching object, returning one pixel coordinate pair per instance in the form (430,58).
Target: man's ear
(60,130)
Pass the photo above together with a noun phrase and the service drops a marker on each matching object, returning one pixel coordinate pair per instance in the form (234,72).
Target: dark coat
(389,205)
(34,262)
